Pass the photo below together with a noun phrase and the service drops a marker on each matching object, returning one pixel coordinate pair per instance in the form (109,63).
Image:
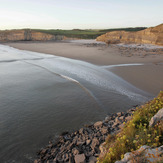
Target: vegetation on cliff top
(85,34)
(136,132)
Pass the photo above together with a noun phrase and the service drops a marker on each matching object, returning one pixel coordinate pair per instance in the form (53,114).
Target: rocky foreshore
(83,145)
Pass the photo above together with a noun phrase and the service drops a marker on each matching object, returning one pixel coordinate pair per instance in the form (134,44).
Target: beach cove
(38,85)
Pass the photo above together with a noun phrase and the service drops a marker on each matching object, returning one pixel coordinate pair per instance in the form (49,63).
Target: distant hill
(152,35)
(85,34)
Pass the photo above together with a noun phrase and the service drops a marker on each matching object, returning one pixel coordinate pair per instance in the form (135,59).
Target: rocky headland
(153,35)
(27,35)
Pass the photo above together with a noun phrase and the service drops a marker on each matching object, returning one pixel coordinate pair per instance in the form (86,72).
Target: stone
(75,151)
(81,131)
(80,158)
(98,124)
(122,118)
(157,117)
(115,125)
(119,114)
(43,152)
(79,143)
(70,146)
(88,142)
(104,131)
(128,118)
(94,143)
(71,159)
(117,120)
(65,157)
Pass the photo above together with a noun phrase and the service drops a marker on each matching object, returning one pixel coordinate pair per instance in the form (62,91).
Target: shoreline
(103,55)
(84,144)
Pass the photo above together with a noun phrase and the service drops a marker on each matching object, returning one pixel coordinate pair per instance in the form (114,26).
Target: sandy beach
(147,77)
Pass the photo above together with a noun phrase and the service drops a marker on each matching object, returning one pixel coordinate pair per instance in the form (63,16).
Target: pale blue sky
(85,14)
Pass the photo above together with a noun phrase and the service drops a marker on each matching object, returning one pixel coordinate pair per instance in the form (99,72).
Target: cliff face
(26,35)
(153,35)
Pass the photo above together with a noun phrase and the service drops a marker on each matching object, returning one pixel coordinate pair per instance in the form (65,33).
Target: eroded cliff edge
(27,35)
(153,35)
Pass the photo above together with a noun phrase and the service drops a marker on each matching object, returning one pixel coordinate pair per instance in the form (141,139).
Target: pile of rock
(83,145)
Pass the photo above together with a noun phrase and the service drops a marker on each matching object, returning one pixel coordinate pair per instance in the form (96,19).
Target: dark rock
(71,159)
(43,151)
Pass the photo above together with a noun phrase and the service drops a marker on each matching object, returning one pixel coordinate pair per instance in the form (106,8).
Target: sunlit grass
(136,132)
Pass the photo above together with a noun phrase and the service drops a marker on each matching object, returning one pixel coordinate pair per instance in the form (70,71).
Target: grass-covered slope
(136,132)
(85,34)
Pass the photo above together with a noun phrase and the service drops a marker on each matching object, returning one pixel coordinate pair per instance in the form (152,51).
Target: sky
(83,14)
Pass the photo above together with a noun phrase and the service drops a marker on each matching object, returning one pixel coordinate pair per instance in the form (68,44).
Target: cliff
(153,35)
(27,35)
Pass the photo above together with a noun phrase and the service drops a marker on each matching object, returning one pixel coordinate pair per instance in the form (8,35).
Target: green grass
(84,34)
(136,132)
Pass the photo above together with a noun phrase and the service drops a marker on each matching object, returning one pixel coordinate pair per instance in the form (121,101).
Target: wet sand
(148,77)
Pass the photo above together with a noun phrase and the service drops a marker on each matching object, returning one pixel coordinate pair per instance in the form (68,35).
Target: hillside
(153,35)
(85,34)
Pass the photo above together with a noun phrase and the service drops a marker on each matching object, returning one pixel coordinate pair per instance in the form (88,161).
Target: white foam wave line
(92,77)
(122,65)
(85,89)
(72,80)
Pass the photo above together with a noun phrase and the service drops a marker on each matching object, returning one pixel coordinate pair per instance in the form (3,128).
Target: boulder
(157,117)
(80,158)
(98,124)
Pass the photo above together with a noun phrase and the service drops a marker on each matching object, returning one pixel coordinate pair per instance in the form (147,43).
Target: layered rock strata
(27,35)
(153,35)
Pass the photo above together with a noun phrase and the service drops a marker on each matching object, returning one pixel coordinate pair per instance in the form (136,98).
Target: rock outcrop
(144,154)
(27,35)
(153,35)
(158,117)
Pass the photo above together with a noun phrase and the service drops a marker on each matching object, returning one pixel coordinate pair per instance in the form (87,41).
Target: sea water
(43,95)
